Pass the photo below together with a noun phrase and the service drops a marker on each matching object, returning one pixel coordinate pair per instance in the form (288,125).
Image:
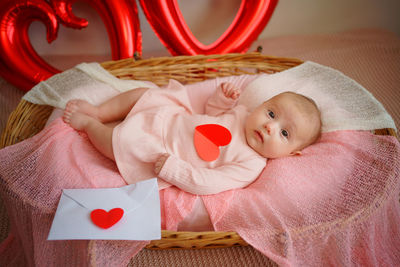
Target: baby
(156,135)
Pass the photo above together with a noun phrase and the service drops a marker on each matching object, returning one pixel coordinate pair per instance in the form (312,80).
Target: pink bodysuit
(163,121)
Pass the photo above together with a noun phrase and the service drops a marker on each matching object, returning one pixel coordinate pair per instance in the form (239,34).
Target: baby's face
(279,127)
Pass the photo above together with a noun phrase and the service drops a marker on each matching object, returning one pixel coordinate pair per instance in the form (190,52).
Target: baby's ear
(296,153)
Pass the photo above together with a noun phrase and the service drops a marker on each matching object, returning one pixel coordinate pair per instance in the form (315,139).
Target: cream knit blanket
(78,83)
(344,104)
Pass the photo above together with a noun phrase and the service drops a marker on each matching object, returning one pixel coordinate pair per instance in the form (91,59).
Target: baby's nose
(270,127)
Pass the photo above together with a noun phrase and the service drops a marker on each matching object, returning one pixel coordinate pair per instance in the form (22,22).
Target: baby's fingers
(235,94)
(224,87)
(160,163)
(230,91)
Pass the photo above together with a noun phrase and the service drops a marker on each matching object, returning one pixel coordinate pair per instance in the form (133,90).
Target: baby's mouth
(259,136)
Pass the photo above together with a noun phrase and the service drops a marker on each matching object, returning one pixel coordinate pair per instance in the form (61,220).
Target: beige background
(290,17)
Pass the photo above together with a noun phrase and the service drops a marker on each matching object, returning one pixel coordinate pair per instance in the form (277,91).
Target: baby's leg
(99,134)
(113,109)
(86,117)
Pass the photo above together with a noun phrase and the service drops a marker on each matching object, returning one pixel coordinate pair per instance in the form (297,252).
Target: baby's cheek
(249,140)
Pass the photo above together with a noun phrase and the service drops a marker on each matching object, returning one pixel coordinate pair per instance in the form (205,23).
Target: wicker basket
(28,119)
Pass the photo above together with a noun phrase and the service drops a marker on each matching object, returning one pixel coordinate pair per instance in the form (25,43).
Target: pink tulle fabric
(336,205)
(33,174)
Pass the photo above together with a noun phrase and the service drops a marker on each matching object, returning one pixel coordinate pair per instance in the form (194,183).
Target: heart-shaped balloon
(208,138)
(104,219)
(23,67)
(20,64)
(169,25)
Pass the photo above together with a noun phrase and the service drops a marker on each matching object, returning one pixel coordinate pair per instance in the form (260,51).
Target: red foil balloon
(120,18)
(20,64)
(168,23)
(23,67)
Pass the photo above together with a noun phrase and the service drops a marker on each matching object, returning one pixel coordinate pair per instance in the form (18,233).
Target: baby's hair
(310,108)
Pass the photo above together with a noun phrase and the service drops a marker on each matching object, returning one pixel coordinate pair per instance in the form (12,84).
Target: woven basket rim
(198,67)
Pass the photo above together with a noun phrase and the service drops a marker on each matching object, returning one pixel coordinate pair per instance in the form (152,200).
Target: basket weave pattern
(28,119)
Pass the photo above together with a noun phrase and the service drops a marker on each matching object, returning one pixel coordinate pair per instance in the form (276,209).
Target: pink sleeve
(218,103)
(201,91)
(205,181)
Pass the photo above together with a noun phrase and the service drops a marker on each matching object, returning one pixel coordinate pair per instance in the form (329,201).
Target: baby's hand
(230,91)
(160,163)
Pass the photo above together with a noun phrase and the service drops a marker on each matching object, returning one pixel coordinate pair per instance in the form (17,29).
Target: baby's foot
(81,106)
(77,120)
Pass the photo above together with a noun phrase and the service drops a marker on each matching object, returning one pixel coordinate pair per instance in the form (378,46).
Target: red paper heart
(104,219)
(169,24)
(208,138)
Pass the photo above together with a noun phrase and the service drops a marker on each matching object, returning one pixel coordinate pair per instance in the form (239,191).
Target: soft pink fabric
(336,205)
(163,121)
(34,172)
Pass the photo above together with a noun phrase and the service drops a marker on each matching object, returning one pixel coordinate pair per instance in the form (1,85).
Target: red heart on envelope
(208,138)
(104,219)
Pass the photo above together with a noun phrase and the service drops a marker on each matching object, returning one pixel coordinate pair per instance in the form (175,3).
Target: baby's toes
(66,116)
(71,106)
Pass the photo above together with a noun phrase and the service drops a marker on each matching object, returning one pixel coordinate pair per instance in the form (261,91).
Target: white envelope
(141,219)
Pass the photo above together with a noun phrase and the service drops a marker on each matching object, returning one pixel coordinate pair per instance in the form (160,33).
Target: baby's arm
(225,97)
(205,181)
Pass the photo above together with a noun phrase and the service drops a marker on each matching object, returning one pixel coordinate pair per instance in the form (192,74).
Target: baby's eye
(285,133)
(271,114)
